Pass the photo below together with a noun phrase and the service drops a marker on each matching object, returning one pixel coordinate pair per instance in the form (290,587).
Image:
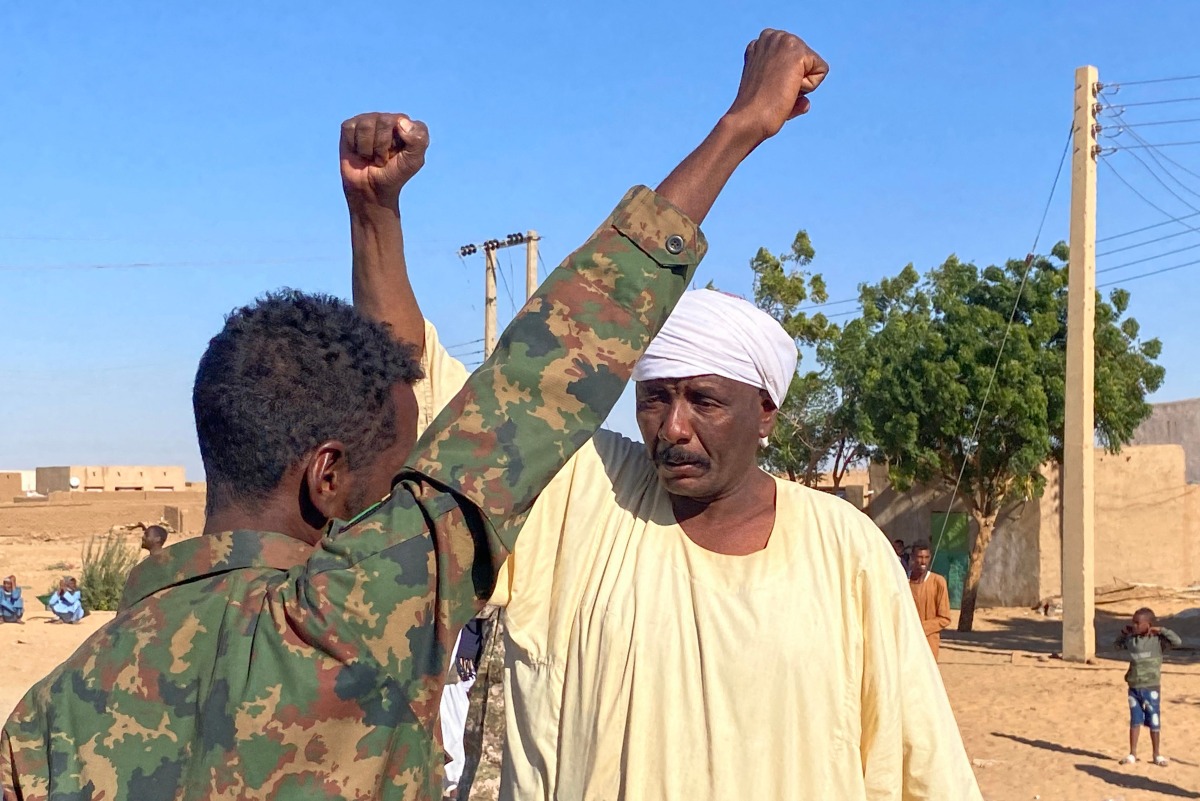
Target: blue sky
(202,139)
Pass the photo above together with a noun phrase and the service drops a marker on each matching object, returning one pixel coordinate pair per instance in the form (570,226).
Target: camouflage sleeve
(563,362)
(398,582)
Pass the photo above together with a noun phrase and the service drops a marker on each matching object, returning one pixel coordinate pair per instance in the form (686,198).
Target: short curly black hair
(286,373)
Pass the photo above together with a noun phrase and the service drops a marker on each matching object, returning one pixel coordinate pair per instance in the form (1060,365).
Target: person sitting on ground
(153,539)
(1145,641)
(12,608)
(65,602)
(930,594)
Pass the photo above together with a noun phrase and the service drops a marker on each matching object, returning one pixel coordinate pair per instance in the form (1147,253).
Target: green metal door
(951,552)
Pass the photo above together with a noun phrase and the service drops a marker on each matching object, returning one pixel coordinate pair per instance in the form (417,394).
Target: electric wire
(1173,79)
(1029,259)
(1148,274)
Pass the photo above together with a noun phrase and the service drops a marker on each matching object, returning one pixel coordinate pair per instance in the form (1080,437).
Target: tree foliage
(923,354)
(814,433)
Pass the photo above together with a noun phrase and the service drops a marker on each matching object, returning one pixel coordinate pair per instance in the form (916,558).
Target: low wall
(83,514)
(1147,526)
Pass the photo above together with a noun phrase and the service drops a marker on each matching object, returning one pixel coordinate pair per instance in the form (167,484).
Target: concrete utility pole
(531,256)
(1079,436)
(489,302)
(490,246)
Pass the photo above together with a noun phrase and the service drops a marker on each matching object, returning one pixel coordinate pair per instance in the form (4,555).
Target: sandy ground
(1036,729)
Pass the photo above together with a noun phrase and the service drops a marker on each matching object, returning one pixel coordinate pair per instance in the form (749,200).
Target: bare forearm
(693,186)
(382,290)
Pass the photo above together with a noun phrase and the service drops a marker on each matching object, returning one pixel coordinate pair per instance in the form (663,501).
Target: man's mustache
(676,456)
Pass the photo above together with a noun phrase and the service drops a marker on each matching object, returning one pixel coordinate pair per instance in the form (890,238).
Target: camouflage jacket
(249,665)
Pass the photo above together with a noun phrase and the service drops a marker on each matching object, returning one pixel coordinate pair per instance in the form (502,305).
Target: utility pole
(490,246)
(489,302)
(531,258)
(1079,436)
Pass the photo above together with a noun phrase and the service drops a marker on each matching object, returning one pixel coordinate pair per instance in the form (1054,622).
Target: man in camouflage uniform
(286,654)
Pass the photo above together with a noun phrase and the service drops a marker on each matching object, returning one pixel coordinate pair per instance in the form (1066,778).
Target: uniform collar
(209,554)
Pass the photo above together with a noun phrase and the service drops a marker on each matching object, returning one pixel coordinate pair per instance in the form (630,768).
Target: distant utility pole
(1079,436)
(490,246)
(489,303)
(531,258)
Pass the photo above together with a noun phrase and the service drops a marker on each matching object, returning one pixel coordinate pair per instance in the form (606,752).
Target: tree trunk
(839,469)
(986,526)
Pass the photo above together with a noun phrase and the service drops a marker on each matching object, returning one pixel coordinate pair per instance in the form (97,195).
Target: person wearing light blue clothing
(12,608)
(65,602)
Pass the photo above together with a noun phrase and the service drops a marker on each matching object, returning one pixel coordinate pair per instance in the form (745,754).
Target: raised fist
(379,153)
(779,72)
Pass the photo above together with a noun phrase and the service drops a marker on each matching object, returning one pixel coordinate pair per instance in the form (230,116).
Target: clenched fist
(779,72)
(379,153)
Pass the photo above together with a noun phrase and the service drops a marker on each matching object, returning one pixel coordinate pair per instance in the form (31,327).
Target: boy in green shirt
(1145,641)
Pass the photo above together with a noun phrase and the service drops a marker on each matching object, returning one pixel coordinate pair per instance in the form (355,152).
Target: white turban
(711,333)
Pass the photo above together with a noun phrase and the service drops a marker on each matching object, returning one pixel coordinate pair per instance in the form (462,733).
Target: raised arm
(563,362)
(379,154)
(412,570)
(1172,639)
(779,72)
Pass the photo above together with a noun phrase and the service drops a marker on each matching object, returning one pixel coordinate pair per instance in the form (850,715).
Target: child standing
(1145,641)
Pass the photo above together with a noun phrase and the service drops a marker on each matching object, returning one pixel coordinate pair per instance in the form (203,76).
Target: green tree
(814,431)
(926,351)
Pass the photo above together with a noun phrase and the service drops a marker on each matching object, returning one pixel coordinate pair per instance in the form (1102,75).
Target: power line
(1145,199)
(1004,340)
(512,304)
(1122,125)
(1154,155)
(1158,144)
(1154,150)
(827,303)
(141,265)
(1157,102)
(1147,242)
(1147,228)
(1119,84)
(1061,160)
(1149,258)
(1147,275)
(1163,183)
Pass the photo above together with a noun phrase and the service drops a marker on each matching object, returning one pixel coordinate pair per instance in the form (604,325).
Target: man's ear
(768,415)
(326,482)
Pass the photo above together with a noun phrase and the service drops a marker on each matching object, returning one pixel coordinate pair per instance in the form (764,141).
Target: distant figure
(65,601)
(1145,641)
(455,702)
(898,546)
(153,539)
(930,594)
(12,608)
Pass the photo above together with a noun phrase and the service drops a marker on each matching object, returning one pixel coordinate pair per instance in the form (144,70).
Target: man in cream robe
(641,664)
